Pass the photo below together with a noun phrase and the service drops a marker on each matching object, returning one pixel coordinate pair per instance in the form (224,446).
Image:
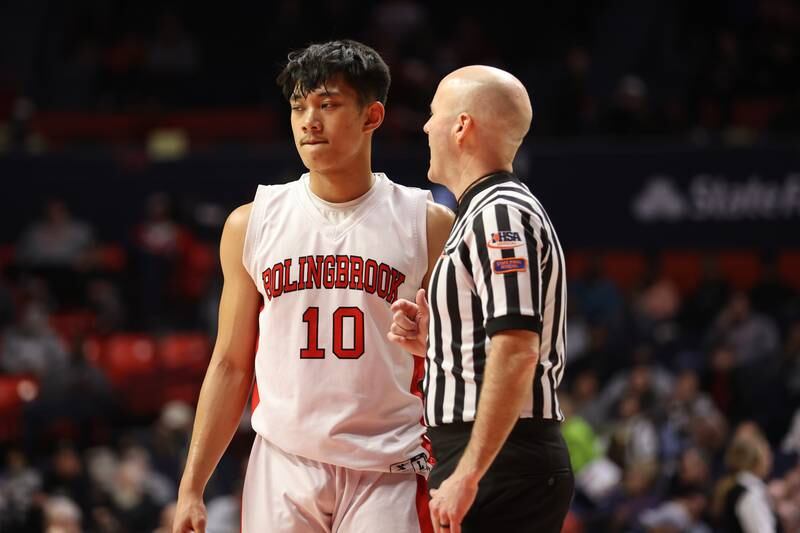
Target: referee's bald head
(495,99)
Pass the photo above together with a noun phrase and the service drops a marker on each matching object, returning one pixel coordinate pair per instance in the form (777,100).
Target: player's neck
(338,187)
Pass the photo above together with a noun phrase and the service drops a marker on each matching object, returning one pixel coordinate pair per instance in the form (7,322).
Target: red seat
(66,126)
(184,358)
(682,267)
(111,257)
(129,356)
(755,114)
(624,268)
(15,391)
(577,264)
(185,352)
(789,267)
(206,126)
(741,269)
(129,362)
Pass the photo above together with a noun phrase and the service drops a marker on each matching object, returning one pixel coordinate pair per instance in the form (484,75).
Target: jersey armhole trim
(421,229)
(252,235)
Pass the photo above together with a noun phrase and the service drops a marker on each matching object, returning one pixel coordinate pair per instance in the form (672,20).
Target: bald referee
(495,324)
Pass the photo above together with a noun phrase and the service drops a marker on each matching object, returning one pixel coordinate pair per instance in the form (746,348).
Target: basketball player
(311,269)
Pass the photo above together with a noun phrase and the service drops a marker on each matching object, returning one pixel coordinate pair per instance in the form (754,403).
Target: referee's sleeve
(506,247)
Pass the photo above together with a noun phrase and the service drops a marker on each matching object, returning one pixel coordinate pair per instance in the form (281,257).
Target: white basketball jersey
(330,386)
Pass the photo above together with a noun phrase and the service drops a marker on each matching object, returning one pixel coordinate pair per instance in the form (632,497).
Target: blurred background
(665,146)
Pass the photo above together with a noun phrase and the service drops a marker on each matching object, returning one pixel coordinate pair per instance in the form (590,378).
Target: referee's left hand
(451,501)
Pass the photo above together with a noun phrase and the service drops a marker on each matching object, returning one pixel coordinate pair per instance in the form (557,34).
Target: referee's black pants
(529,486)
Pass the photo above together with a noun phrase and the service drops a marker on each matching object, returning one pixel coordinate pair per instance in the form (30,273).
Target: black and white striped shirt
(502,268)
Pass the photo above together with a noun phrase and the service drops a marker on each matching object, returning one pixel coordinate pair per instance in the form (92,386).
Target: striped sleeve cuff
(504,323)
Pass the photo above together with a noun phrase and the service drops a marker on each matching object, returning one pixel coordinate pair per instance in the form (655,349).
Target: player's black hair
(358,64)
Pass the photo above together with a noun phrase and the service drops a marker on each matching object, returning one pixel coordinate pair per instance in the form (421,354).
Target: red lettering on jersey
(356,270)
(384,280)
(288,285)
(370,275)
(397,279)
(266,277)
(277,279)
(314,272)
(301,274)
(330,272)
(342,264)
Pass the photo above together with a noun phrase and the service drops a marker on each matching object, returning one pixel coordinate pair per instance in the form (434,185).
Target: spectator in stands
(104,299)
(633,438)
(655,320)
(630,115)
(771,296)
(682,514)
(160,243)
(687,405)
(725,380)
(66,477)
(128,507)
(62,516)
(741,500)
(20,483)
(58,248)
(77,399)
(30,346)
(57,240)
(707,299)
(751,335)
(692,475)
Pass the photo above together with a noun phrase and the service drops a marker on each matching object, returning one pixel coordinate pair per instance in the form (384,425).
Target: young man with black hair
(311,269)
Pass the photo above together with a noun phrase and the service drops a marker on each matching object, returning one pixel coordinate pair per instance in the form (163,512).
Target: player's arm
(439,223)
(229,378)
(409,326)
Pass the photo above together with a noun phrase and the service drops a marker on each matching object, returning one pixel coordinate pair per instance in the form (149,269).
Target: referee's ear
(464,125)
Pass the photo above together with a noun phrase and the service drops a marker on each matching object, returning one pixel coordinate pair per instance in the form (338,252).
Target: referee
(494,332)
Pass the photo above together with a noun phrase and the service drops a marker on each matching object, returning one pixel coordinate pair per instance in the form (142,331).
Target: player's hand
(451,501)
(190,515)
(409,327)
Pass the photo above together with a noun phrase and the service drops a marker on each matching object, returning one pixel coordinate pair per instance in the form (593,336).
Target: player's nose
(311,121)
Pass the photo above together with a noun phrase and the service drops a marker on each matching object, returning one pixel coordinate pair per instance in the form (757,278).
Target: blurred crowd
(671,398)
(671,394)
(623,69)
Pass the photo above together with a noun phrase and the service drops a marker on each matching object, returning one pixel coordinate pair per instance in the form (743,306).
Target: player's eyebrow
(324,91)
(321,91)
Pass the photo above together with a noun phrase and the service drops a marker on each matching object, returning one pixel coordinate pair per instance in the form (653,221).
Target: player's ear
(462,127)
(374,116)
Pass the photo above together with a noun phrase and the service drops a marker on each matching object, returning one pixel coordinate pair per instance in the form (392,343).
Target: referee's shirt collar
(485,182)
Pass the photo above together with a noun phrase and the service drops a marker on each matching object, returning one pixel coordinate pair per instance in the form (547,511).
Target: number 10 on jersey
(313,350)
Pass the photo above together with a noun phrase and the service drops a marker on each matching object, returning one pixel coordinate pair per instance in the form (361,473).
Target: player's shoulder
(438,214)
(276,191)
(238,218)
